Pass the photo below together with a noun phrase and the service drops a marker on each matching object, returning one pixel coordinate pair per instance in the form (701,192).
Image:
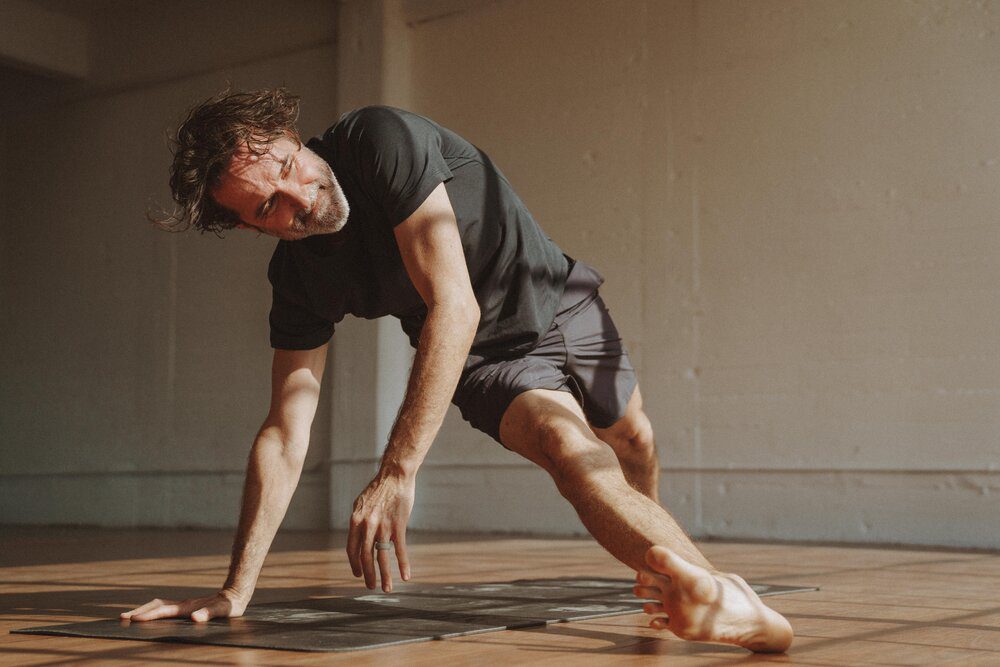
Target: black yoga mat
(384,619)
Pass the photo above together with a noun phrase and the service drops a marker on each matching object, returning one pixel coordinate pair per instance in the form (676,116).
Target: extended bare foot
(701,605)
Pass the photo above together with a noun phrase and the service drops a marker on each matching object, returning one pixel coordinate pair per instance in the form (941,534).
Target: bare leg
(548,428)
(631,439)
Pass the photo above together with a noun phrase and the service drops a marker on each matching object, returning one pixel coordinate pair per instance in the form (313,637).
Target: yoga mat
(385,619)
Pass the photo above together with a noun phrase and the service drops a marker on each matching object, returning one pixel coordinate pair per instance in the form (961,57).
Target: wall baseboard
(129,500)
(919,508)
(922,508)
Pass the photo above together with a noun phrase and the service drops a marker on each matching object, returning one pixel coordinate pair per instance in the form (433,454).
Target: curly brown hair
(207,140)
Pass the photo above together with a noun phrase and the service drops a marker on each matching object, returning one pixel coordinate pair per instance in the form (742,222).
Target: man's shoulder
(376,122)
(378,113)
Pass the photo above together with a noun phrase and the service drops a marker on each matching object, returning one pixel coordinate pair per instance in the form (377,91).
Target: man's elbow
(292,446)
(471,315)
(461,315)
(474,314)
(293,452)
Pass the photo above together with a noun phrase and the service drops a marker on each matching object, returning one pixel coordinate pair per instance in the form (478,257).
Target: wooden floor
(875,606)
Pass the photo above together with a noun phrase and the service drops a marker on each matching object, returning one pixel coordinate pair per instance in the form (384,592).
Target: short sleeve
(293,325)
(399,159)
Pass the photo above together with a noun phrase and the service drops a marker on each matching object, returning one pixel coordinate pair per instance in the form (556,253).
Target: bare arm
(431,248)
(276,461)
(273,470)
(432,253)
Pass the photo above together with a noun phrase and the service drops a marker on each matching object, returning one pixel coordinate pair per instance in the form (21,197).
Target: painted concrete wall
(135,363)
(794,204)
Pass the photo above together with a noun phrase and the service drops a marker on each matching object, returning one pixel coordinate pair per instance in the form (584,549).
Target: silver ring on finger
(383,546)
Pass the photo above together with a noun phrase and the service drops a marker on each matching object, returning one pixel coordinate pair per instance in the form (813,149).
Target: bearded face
(289,191)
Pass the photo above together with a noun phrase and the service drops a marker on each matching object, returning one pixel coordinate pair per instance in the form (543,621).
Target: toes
(648,592)
(649,578)
(660,623)
(653,608)
(658,558)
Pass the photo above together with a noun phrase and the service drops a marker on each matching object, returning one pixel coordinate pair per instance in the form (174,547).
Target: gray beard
(329,213)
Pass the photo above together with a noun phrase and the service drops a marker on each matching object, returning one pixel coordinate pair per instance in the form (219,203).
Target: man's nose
(299,197)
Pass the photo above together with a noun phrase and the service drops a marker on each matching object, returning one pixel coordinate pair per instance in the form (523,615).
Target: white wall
(792,201)
(795,206)
(135,363)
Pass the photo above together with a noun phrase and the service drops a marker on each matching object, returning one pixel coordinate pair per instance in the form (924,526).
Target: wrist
(400,469)
(236,595)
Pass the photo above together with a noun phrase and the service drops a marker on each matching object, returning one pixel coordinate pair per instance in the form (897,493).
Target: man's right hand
(224,604)
(380,514)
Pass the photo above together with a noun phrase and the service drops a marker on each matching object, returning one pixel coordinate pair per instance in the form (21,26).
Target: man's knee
(548,428)
(573,458)
(633,439)
(640,441)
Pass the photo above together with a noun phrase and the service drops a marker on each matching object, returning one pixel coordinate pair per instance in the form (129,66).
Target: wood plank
(875,606)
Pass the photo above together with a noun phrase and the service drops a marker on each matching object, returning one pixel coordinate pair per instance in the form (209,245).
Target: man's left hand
(380,515)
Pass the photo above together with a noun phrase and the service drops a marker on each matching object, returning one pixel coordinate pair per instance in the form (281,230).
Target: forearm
(272,475)
(444,345)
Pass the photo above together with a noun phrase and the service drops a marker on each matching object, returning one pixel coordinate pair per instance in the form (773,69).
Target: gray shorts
(582,353)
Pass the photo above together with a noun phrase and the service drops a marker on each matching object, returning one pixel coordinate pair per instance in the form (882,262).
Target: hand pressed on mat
(224,604)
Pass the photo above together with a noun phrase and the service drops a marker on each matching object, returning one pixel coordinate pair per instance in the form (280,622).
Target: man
(390,213)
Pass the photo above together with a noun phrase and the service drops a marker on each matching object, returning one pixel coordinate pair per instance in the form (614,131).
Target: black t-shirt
(387,162)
